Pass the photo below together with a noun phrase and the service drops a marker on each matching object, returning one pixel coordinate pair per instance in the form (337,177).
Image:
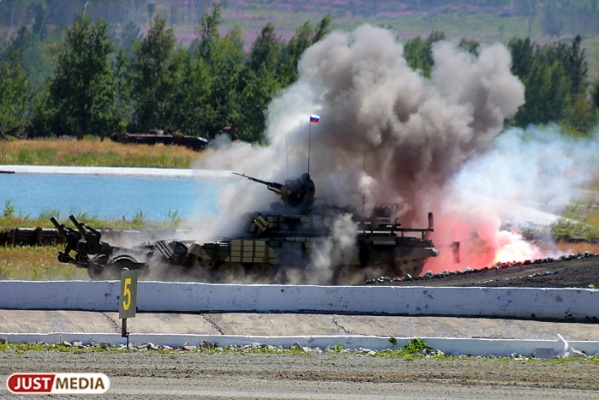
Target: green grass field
(92,152)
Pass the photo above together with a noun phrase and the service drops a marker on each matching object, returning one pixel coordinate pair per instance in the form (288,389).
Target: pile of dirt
(574,271)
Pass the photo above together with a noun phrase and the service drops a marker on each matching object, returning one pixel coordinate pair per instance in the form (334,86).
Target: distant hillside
(489,19)
(481,20)
(485,21)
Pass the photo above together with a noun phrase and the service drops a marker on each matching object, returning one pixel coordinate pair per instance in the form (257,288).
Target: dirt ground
(151,375)
(578,272)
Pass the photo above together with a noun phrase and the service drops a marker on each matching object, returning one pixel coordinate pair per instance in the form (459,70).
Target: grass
(11,219)
(416,348)
(92,152)
(580,220)
(406,353)
(36,263)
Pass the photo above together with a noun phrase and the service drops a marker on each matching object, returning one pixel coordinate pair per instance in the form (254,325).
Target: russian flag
(314,118)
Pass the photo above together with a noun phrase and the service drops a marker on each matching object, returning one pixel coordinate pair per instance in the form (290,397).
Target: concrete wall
(559,304)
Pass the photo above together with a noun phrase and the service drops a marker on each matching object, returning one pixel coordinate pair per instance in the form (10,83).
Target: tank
(157,136)
(297,241)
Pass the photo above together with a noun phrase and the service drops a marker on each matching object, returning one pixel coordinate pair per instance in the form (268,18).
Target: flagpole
(364,171)
(309,134)
(313,119)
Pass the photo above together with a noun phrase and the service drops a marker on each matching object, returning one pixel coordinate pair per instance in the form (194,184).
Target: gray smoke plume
(411,134)
(334,250)
(386,133)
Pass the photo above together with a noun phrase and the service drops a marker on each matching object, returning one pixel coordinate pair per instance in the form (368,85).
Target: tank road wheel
(108,273)
(112,269)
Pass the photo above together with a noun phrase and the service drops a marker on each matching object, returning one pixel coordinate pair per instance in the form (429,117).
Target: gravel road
(328,375)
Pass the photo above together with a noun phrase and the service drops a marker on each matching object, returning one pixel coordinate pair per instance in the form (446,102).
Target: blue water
(109,197)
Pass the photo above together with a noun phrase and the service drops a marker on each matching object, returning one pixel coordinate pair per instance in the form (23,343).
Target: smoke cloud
(525,180)
(389,135)
(386,133)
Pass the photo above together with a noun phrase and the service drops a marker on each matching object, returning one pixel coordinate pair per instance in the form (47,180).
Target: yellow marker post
(128,299)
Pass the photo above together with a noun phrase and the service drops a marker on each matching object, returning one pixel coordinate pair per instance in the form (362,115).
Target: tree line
(100,83)
(555,77)
(89,79)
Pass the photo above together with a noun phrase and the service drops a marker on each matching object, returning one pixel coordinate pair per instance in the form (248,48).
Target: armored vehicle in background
(158,136)
(296,242)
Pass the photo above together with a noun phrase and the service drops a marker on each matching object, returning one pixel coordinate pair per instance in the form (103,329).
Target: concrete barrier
(449,346)
(529,303)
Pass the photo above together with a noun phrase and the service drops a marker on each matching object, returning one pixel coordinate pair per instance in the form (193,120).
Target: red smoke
(483,242)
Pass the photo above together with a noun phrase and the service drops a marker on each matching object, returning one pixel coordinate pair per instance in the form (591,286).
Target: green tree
(555,79)
(546,95)
(82,90)
(305,36)
(419,52)
(208,33)
(39,28)
(226,67)
(129,37)
(323,28)
(223,58)
(37,51)
(581,116)
(293,52)
(522,52)
(13,86)
(259,89)
(122,70)
(155,75)
(266,50)
(471,46)
(595,93)
(42,116)
(188,112)
(574,60)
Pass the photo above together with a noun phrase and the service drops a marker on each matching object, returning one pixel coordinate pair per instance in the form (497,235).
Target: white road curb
(529,303)
(449,346)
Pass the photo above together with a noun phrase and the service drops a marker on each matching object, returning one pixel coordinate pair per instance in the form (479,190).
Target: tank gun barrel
(272,186)
(295,192)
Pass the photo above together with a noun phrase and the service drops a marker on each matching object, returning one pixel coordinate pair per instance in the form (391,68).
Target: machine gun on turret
(295,192)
